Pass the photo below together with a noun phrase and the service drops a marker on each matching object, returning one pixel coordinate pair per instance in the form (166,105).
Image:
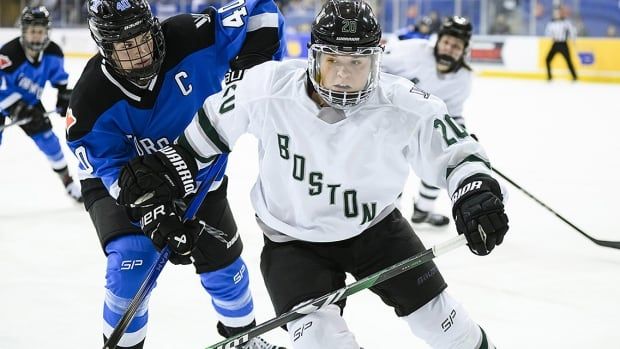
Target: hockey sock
(63,173)
(426,198)
(50,146)
(137,346)
(444,323)
(230,294)
(324,328)
(129,259)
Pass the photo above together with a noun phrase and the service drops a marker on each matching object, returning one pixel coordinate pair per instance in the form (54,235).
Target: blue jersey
(111,120)
(411,32)
(22,79)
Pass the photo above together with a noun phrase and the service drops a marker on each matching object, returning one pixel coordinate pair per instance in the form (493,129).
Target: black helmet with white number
(117,21)
(346,23)
(460,28)
(35,16)
(345,28)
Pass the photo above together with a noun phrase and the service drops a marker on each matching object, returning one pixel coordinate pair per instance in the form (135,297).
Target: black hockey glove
(23,113)
(164,226)
(157,178)
(479,214)
(62,100)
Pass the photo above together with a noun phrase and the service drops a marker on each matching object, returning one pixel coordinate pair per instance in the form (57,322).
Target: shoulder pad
(92,95)
(185,34)
(53,49)
(11,56)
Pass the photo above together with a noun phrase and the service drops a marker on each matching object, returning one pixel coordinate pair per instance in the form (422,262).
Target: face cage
(142,75)
(338,99)
(35,46)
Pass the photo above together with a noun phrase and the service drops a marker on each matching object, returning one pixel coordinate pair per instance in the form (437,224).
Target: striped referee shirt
(560,30)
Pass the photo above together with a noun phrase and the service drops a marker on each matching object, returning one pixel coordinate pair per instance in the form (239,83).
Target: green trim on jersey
(210,131)
(485,342)
(470,158)
(182,141)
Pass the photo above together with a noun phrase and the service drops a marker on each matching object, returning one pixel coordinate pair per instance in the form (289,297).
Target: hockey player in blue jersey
(135,97)
(26,64)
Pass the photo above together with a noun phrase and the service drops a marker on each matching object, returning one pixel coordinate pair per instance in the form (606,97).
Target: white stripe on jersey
(10,100)
(263,20)
(114,189)
(83,174)
(118,84)
(199,141)
(201,20)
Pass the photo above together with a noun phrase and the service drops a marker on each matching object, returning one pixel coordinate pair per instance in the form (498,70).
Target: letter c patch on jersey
(5,62)
(179,77)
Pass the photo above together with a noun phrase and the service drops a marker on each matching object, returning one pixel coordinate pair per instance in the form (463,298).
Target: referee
(560,30)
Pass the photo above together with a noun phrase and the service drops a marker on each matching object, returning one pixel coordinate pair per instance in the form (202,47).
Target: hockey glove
(23,113)
(157,178)
(62,100)
(163,226)
(479,214)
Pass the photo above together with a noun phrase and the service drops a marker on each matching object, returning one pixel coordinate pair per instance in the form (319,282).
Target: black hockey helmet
(345,27)
(460,28)
(457,26)
(426,20)
(346,23)
(116,21)
(35,16)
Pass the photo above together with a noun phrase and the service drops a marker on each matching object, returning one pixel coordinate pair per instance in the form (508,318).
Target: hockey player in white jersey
(337,139)
(441,70)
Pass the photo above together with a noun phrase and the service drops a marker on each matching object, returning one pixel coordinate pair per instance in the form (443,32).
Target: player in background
(135,97)
(26,64)
(440,69)
(337,140)
(420,30)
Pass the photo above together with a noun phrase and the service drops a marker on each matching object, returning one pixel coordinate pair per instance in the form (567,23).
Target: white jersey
(414,60)
(321,181)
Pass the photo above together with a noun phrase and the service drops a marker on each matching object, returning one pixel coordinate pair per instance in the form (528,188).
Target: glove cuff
(476,184)
(184,166)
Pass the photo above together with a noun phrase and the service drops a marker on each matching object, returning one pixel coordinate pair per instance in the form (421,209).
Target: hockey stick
(215,171)
(16,123)
(24,120)
(605,243)
(334,296)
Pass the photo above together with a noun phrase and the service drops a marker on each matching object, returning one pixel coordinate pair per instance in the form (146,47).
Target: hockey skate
(430,218)
(72,188)
(74,191)
(254,343)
